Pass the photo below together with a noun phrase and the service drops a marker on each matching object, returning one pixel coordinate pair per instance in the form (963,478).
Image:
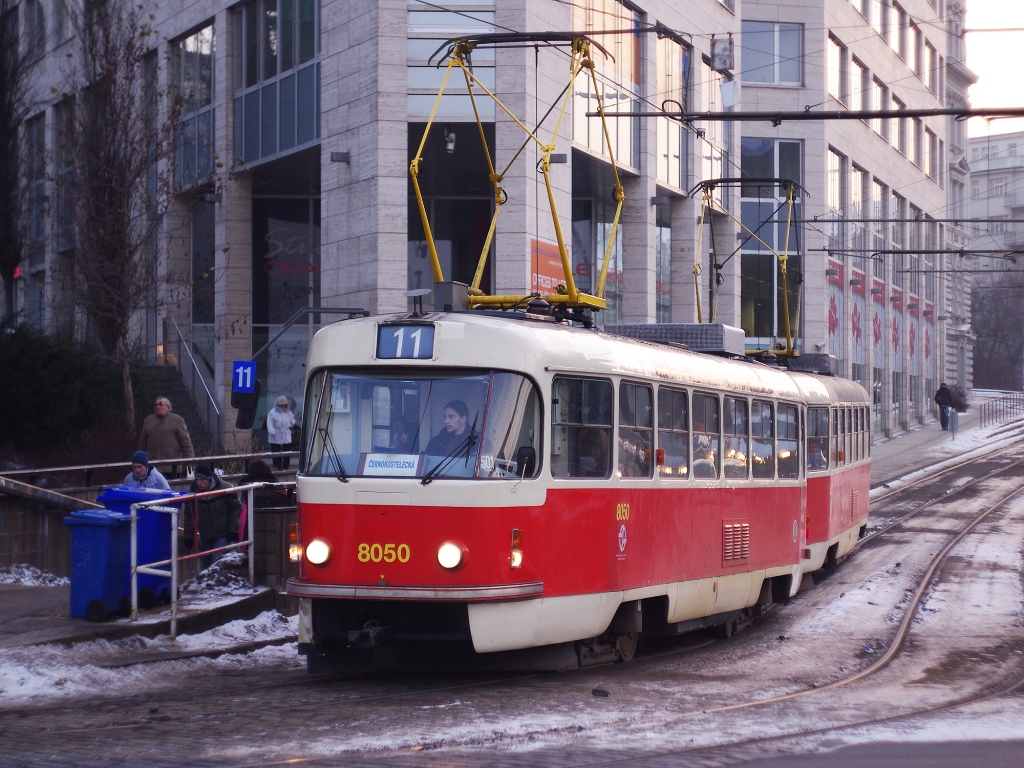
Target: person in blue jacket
(145,476)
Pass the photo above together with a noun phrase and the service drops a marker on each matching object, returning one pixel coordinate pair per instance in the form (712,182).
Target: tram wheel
(626,645)
(728,629)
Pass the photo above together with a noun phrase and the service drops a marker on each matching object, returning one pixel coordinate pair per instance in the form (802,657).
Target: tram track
(991,689)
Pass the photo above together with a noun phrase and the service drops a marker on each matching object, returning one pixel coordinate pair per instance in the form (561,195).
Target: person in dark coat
(944,399)
(453,433)
(217,517)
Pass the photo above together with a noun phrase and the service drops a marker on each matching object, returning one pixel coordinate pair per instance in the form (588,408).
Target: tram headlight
(318,551)
(450,555)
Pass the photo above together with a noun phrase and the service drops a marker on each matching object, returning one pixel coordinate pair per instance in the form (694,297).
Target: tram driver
(454,432)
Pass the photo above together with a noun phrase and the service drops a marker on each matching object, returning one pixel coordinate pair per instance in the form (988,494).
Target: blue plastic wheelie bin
(100,540)
(154,537)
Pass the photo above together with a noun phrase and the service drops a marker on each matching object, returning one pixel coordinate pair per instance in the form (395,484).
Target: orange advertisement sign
(545,267)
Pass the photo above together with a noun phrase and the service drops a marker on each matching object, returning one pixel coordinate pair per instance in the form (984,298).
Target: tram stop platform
(927,445)
(36,615)
(31,615)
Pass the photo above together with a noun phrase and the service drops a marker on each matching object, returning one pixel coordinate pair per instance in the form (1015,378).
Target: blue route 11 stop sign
(243,377)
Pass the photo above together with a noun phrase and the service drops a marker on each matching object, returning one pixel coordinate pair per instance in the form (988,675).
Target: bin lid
(134,493)
(97,517)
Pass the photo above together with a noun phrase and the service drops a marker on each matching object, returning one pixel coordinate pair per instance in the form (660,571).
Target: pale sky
(995,57)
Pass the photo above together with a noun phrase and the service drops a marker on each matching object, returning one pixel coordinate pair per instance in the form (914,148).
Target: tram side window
(817,439)
(706,436)
(674,433)
(789,441)
(736,463)
(854,434)
(837,438)
(858,441)
(850,458)
(762,427)
(581,415)
(636,430)
(867,433)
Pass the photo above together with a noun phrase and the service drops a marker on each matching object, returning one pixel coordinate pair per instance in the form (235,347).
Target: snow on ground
(30,576)
(964,445)
(40,673)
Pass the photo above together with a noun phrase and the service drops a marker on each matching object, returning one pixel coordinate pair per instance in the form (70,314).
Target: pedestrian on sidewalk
(165,436)
(944,399)
(145,476)
(280,421)
(215,518)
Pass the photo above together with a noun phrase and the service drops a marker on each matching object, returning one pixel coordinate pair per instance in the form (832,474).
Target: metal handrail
(214,428)
(1001,408)
(87,470)
(195,365)
(154,568)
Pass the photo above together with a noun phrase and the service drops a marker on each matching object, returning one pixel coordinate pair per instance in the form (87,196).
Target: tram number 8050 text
(383,553)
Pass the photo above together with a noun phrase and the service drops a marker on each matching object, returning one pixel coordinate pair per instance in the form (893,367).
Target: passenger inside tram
(703,451)
(816,460)
(593,453)
(403,435)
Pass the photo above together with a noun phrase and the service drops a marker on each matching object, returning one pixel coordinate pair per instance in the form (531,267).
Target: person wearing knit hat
(145,476)
(213,521)
(280,421)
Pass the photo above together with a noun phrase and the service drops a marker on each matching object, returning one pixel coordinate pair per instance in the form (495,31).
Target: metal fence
(1001,408)
(177,558)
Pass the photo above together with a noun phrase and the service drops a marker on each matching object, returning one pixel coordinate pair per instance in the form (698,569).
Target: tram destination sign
(405,342)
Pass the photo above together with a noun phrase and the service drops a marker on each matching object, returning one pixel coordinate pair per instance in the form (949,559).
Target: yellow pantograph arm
(620,194)
(414,171)
(783,261)
(705,204)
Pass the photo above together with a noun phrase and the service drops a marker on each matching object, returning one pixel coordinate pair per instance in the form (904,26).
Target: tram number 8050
(383,553)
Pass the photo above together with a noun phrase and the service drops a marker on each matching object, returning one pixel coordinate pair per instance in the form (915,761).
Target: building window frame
(277,79)
(771,46)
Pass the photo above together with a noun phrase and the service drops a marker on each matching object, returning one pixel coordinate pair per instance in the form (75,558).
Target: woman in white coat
(280,421)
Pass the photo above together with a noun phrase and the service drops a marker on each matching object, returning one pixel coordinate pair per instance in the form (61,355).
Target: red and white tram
(512,483)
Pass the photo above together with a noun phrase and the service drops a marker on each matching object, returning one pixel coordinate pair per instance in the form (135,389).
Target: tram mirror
(526,461)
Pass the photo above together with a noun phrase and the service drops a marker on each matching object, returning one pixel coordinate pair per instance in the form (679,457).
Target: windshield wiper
(330,453)
(466,445)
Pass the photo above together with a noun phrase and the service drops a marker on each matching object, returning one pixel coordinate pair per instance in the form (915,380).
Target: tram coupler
(369,636)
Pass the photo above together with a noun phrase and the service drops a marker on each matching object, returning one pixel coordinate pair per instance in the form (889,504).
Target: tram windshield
(425,424)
